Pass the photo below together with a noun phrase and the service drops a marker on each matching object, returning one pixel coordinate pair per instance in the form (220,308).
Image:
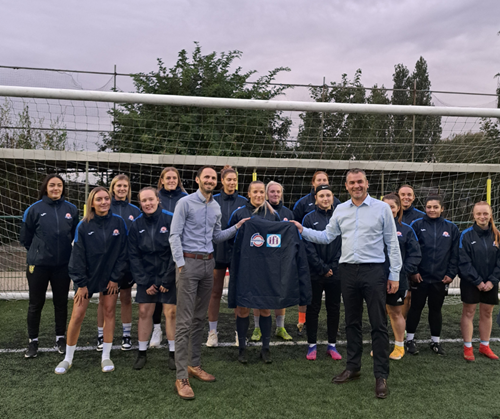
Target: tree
(143,128)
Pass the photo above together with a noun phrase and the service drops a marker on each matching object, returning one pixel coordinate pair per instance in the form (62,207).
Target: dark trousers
(434,292)
(369,282)
(331,287)
(38,282)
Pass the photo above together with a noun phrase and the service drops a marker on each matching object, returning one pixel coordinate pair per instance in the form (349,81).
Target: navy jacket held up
(410,254)
(283,211)
(438,239)
(269,266)
(99,252)
(322,257)
(307,204)
(125,210)
(168,199)
(228,204)
(479,257)
(150,257)
(47,231)
(247,212)
(411,214)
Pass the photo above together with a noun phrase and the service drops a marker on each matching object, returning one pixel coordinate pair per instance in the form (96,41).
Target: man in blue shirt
(365,225)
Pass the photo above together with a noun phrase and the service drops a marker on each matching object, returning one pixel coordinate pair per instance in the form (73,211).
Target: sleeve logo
(273,240)
(446,234)
(116,232)
(163,230)
(68,216)
(256,240)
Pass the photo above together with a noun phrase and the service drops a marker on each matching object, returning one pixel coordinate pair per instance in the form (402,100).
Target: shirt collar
(368,200)
(202,198)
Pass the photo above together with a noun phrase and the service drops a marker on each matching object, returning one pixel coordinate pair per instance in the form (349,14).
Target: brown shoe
(346,376)
(184,389)
(201,375)
(381,388)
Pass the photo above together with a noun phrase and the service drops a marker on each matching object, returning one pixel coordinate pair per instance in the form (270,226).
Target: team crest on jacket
(131,217)
(256,240)
(68,216)
(273,240)
(400,234)
(163,230)
(116,232)
(446,234)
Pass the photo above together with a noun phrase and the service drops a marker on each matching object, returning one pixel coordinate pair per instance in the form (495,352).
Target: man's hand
(392,287)
(241,222)
(298,225)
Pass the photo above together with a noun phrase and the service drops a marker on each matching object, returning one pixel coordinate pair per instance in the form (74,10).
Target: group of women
(116,244)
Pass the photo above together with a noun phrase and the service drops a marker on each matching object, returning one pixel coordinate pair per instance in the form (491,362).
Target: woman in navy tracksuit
(479,270)
(47,233)
(97,264)
(438,239)
(153,270)
(170,190)
(121,194)
(257,207)
(323,267)
(411,257)
(229,201)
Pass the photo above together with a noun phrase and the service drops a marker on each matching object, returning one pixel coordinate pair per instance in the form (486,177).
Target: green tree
(144,128)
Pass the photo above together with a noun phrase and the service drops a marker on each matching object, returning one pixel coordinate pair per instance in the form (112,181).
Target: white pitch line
(229,344)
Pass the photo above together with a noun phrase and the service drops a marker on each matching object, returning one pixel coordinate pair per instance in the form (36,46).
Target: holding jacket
(247,211)
(99,252)
(479,257)
(47,231)
(151,261)
(439,240)
(322,257)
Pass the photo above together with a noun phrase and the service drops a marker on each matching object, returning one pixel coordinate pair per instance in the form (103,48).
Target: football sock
(70,352)
(143,346)
(106,350)
(256,321)
(127,327)
(265,326)
(171,345)
(302,318)
(468,344)
(212,326)
(157,326)
(242,324)
(410,336)
(100,331)
(280,321)
(435,339)
(485,342)
(399,343)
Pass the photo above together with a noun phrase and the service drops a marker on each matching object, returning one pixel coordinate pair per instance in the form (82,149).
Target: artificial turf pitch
(423,386)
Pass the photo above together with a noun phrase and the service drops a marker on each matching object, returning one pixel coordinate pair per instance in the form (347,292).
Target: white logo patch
(43,214)
(473,242)
(141,231)
(273,240)
(90,234)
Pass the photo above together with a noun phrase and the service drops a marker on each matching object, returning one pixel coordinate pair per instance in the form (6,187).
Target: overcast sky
(316,39)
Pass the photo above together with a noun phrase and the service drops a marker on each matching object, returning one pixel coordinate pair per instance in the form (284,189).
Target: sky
(315,39)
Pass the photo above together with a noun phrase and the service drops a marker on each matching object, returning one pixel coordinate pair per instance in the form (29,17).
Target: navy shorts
(142,297)
(90,294)
(221,265)
(469,294)
(127,281)
(397,299)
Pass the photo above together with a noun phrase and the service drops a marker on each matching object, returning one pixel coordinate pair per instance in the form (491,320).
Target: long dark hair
(395,198)
(45,182)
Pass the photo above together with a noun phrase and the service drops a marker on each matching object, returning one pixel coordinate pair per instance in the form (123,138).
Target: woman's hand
(163,289)
(447,280)
(112,288)
(152,290)
(480,287)
(329,273)
(80,295)
(416,278)
(488,286)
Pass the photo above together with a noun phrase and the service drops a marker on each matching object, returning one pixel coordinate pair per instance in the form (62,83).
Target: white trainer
(213,340)
(156,338)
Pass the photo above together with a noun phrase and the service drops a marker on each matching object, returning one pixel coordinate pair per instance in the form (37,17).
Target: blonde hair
(90,200)
(115,181)
(272,183)
(170,169)
(266,205)
(494,229)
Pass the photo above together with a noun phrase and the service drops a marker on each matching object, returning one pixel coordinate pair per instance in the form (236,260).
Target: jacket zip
(57,232)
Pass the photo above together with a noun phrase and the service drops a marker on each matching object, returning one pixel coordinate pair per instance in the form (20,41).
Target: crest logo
(400,234)
(446,234)
(256,240)
(274,240)
(131,217)
(163,230)
(68,216)
(116,232)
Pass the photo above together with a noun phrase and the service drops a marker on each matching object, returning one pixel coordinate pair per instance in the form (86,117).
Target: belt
(204,256)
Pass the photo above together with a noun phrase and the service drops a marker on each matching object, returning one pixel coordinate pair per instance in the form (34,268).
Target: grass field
(425,386)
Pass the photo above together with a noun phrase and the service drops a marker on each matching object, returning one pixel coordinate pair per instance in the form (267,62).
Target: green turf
(425,386)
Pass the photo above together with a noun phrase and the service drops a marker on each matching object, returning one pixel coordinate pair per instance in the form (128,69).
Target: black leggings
(435,293)
(157,313)
(38,282)
(331,287)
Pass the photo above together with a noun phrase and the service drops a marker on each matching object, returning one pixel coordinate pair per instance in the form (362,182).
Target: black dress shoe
(141,360)
(346,376)
(381,388)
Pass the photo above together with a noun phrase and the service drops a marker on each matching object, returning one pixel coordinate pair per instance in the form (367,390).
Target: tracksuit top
(168,199)
(307,204)
(228,204)
(247,212)
(99,252)
(411,214)
(47,231)
(479,257)
(283,211)
(410,253)
(322,257)
(438,239)
(150,257)
(269,268)
(125,210)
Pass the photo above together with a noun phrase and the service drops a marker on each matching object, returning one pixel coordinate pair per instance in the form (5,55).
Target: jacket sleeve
(234,268)
(121,263)
(298,211)
(135,259)
(169,279)
(77,267)
(495,275)
(452,269)
(27,229)
(413,255)
(466,268)
(305,289)
(76,220)
(315,262)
